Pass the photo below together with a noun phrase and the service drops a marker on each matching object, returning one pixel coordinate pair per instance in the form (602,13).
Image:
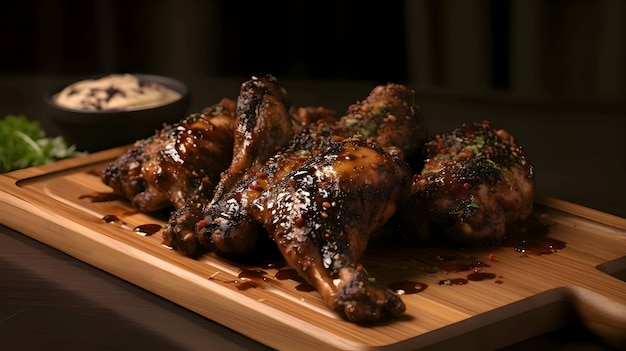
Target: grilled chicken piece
(319,187)
(322,216)
(321,199)
(391,116)
(263,126)
(181,160)
(228,226)
(476,180)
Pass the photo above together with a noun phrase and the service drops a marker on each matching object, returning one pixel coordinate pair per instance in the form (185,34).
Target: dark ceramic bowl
(95,130)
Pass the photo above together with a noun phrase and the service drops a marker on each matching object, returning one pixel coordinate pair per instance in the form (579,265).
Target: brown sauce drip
(292,274)
(253,274)
(245,284)
(407,287)
(478,276)
(449,261)
(250,278)
(288,273)
(461,265)
(147,229)
(454,281)
(541,246)
(111,219)
(305,287)
(101,197)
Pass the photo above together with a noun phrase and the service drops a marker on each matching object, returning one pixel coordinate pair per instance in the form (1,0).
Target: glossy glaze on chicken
(179,161)
(321,187)
(302,196)
(322,215)
(475,182)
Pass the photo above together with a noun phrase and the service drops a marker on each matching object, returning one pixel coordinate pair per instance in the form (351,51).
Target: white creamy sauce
(115,92)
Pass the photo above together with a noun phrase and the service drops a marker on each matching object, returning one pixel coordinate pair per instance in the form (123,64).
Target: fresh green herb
(23,144)
(462,210)
(351,122)
(493,164)
(369,277)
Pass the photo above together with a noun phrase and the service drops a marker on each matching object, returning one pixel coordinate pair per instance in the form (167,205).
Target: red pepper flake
(292,183)
(492,257)
(255,186)
(299,221)
(489,150)
(261,175)
(467,185)
(486,123)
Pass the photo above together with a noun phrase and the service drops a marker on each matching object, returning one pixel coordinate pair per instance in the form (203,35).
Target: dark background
(550,71)
(313,39)
(565,50)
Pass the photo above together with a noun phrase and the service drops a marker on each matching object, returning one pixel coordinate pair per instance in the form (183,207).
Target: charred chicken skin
(302,197)
(322,216)
(228,225)
(475,182)
(263,125)
(181,160)
(321,187)
(390,116)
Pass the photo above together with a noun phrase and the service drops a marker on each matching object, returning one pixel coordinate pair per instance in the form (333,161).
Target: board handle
(604,317)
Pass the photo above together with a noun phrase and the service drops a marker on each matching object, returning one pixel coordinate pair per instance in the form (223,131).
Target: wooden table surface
(49,300)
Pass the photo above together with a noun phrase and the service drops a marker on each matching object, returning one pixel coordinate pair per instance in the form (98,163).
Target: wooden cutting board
(515,295)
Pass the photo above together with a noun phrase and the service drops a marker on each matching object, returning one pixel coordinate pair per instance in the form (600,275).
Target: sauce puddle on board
(428,259)
(407,287)
(147,229)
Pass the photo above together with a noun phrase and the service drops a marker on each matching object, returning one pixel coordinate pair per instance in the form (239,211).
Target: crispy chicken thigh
(322,215)
(390,116)
(475,182)
(181,160)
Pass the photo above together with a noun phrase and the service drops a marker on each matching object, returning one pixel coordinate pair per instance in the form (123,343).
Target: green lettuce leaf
(23,143)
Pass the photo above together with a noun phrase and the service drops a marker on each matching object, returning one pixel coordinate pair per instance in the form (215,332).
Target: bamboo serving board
(521,295)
